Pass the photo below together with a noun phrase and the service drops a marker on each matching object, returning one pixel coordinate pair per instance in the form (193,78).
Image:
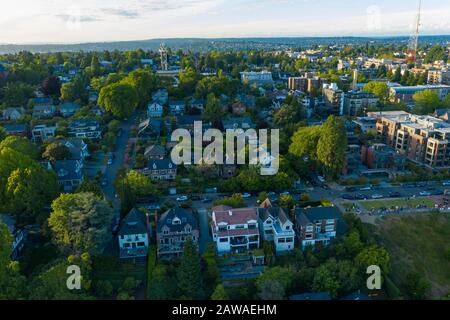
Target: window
(223,240)
(239,226)
(141,244)
(330,221)
(329,228)
(309,229)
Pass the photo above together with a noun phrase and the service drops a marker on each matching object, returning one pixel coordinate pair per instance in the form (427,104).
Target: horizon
(62,22)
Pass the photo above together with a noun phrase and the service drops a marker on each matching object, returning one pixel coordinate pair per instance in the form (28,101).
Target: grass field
(411,203)
(419,243)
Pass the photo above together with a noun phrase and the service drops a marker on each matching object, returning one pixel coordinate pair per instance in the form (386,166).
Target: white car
(377,196)
(321,179)
(182,198)
(285,193)
(425,193)
(246,195)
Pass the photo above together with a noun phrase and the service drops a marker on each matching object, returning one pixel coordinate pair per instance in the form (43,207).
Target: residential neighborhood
(352,171)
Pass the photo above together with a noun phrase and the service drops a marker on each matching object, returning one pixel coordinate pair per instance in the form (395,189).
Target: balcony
(242,241)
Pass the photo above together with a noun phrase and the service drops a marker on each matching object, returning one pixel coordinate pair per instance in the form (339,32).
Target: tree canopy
(121,99)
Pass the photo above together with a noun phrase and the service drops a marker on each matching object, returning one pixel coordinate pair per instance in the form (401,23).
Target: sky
(70,21)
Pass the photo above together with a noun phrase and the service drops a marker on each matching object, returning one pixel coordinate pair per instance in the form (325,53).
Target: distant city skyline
(66,21)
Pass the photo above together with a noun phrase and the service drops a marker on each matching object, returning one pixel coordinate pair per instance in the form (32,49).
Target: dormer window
(176,221)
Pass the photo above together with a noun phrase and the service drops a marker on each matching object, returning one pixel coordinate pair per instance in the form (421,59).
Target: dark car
(361,196)
(421,184)
(394,194)
(350,189)
(348,197)
(206,200)
(409,185)
(115,226)
(196,198)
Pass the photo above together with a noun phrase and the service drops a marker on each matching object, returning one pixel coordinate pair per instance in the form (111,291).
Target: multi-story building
(275,226)
(235,230)
(133,235)
(439,77)
(258,78)
(333,98)
(423,139)
(381,156)
(161,96)
(44,111)
(298,83)
(318,225)
(85,128)
(155,110)
(355,103)
(405,95)
(160,169)
(173,228)
(41,133)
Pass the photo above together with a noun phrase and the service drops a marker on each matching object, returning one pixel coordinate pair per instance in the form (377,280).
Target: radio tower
(412,45)
(164,61)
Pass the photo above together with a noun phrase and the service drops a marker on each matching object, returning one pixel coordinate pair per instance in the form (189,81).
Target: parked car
(195,198)
(377,196)
(206,200)
(446,183)
(350,189)
(182,198)
(104,182)
(409,185)
(321,179)
(154,206)
(421,184)
(246,195)
(348,197)
(110,161)
(271,194)
(425,193)
(361,196)
(394,194)
(284,193)
(115,226)
(366,188)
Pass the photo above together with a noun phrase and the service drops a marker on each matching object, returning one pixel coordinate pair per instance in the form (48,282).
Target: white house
(155,110)
(235,230)
(275,226)
(133,235)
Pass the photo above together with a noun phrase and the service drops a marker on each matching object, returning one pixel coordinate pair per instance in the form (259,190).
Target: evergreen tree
(189,275)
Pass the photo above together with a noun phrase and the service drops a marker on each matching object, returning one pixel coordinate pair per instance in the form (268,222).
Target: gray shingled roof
(168,216)
(134,223)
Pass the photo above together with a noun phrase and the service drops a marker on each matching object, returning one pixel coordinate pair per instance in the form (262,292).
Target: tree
(373,255)
(189,276)
(29,190)
(235,201)
(283,275)
(144,81)
(22,145)
(332,147)
(120,99)
(95,66)
(104,288)
(51,86)
(219,293)
(56,151)
(213,111)
(16,94)
(416,286)
(436,53)
(161,286)
(426,102)
(11,282)
(288,114)
(305,141)
(73,91)
(90,186)
(324,281)
(380,89)
(3,134)
(80,222)
(271,290)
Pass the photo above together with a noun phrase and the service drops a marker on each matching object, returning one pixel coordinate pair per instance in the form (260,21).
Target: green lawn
(419,243)
(411,203)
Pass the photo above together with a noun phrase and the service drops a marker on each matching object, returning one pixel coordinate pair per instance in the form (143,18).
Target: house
(77,147)
(238,123)
(161,96)
(149,128)
(198,104)
(155,151)
(97,111)
(41,132)
(40,100)
(13,113)
(19,235)
(69,173)
(44,111)
(133,235)
(85,128)
(172,229)
(238,108)
(160,169)
(318,225)
(68,109)
(155,110)
(248,100)
(235,230)
(188,121)
(16,129)
(177,106)
(275,226)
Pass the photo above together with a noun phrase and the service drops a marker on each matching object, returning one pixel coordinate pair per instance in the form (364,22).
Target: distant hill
(227,44)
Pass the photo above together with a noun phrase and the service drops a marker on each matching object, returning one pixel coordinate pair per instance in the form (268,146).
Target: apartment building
(333,98)
(355,103)
(402,94)
(298,83)
(235,230)
(437,77)
(41,133)
(422,139)
(258,78)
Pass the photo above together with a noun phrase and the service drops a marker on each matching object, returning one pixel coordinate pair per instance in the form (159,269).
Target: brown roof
(238,232)
(235,216)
